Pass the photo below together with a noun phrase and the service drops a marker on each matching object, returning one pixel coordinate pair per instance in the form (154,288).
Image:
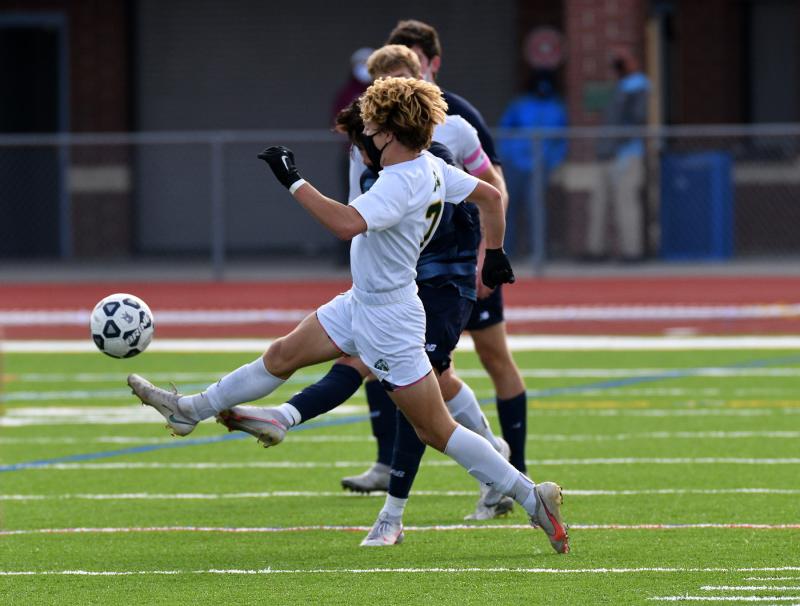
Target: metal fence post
(538,208)
(217,208)
(65,238)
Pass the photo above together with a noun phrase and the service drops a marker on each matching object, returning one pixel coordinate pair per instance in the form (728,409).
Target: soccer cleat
(491,504)
(548,515)
(165,402)
(376,478)
(386,531)
(258,421)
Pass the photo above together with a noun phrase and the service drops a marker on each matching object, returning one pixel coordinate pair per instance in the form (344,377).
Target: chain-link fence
(700,193)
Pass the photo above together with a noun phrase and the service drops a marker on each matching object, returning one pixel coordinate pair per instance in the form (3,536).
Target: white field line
(204,496)
(150,440)
(358,571)
(750,588)
(531,438)
(662,412)
(106,415)
(439,528)
(788,393)
(467,373)
(294,465)
(135,415)
(794,600)
(539,313)
(516,343)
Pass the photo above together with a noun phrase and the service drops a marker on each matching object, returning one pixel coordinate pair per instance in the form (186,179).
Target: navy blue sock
(513,415)
(382,416)
(405,461)
(337,386)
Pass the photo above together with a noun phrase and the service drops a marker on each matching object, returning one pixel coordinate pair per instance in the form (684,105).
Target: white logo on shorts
(431,347)
(484,315)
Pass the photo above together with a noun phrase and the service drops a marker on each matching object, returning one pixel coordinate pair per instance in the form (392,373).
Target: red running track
(586,292)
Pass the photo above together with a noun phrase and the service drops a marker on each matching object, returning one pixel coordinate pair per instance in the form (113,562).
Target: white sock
(484,463)
(465,410)
(524,493)
(394,506)
(245,384)
(291,415)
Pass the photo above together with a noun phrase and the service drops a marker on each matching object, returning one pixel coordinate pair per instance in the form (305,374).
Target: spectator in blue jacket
(538,107)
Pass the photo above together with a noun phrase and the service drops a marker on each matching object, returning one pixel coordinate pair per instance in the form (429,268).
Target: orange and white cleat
(548,515)
(261,422)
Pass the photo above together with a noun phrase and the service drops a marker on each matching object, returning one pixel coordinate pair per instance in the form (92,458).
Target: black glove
(496,268)
(281,161)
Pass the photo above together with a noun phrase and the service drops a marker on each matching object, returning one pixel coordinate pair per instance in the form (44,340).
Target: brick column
(593,28)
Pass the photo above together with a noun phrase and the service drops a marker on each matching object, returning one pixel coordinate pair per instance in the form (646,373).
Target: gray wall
(239,64)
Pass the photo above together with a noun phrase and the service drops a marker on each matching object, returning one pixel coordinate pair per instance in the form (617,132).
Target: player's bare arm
(490,203)
(496,269)
(343,221)
(493,176)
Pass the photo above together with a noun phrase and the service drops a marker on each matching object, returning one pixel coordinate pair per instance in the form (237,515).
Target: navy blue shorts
(446,314)
(487,312)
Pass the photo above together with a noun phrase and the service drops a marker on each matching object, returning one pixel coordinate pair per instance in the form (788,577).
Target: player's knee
(450,386)
(278,358)
(429,438)
(356,363)
(431,435)
(493,360)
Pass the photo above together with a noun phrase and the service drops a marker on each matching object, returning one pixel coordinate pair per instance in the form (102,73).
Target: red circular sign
(544,48)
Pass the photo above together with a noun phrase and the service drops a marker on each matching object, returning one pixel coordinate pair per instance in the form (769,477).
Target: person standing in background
(622,167)
(538,107)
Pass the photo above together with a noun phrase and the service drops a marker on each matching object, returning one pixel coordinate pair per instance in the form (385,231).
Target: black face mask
(373,153)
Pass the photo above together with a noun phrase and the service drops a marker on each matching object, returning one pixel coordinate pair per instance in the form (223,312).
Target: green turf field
(667,460)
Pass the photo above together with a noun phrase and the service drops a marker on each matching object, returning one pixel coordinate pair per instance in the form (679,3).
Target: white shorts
(389,337)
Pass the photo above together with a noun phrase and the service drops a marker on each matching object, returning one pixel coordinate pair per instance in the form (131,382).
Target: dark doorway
(774,94)
(30,176)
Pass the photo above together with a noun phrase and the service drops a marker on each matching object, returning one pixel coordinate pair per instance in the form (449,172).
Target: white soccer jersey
(402,210)
(458,135)
(461,138)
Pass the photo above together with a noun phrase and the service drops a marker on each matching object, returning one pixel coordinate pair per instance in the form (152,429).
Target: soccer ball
(122,325)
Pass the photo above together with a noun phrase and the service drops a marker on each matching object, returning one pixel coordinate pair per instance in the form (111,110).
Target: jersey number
(434,213)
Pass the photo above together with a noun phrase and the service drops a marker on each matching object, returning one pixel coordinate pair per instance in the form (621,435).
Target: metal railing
(711,193)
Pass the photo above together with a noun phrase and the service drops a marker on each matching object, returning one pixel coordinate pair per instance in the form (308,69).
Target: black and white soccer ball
(122,325)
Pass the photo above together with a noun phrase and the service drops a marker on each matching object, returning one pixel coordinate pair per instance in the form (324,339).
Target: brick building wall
(592,29)
(98,85)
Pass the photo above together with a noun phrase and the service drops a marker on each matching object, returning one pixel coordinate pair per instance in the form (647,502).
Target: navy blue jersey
(450,257)
(459,106)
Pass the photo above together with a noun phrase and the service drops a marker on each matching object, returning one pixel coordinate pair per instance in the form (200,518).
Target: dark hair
(349,122)
(416,33)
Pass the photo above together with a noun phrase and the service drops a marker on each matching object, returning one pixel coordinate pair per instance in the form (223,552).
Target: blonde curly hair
(406,107)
